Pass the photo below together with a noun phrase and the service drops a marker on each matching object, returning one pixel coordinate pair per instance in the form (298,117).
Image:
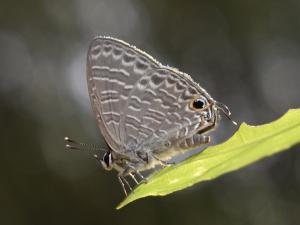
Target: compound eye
(198,103)
(107,159)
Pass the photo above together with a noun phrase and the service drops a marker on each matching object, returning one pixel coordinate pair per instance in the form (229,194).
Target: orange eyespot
(198,104)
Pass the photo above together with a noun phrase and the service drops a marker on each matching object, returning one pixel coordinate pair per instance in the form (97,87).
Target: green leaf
(247,145)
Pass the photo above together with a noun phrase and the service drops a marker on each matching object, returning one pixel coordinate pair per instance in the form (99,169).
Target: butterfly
(147,113)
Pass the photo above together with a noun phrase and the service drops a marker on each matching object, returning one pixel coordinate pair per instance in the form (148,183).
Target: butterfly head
(107,161)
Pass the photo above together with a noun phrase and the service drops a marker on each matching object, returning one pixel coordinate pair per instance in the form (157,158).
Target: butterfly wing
(113,68)
(138,102)
(158,115)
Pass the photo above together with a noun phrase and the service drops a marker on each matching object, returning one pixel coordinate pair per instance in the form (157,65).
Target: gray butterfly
(146,112)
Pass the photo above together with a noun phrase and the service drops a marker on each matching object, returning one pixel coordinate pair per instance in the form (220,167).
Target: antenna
(75,145)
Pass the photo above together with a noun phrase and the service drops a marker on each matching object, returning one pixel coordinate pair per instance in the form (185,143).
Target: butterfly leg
(122,179)
(152,158)
(127,183)
(143,179)
(131,171)
(122,185)
(140,175)
(133,178)
(163,162)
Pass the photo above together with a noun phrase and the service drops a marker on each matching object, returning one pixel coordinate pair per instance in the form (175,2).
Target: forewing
(113,69)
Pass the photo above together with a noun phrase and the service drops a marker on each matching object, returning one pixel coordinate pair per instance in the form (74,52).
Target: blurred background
(245,53)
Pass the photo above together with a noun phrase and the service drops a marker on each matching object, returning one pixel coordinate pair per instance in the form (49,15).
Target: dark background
(245,53)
